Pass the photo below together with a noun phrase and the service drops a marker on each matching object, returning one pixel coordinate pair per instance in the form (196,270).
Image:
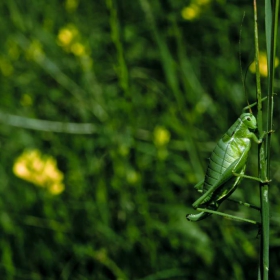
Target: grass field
(109,111)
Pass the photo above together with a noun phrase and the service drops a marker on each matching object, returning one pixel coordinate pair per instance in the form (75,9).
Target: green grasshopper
(226,167)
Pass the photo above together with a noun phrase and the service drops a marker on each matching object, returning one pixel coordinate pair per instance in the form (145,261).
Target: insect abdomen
(222,158)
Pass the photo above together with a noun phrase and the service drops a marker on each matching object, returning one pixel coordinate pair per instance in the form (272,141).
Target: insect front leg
(243,158)
(249,205)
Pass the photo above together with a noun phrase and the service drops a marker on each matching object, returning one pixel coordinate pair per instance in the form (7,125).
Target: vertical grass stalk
(264,251)
(271,21)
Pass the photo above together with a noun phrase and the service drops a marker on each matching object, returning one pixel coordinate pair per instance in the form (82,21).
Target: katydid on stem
(226,167)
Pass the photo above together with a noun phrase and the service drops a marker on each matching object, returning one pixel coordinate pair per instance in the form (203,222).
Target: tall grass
(144,80)
(271,24)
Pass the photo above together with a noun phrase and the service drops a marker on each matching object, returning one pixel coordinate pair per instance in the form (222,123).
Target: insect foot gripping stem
(265,133)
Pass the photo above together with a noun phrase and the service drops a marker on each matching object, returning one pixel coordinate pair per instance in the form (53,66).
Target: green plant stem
(271,21)
(271,38)
(264,246)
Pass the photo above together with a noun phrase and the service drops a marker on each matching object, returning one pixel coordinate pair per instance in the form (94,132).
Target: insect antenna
(243,77)
(239,52)
(246,95)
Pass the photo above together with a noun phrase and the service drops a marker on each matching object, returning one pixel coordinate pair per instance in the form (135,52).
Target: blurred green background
(159,82)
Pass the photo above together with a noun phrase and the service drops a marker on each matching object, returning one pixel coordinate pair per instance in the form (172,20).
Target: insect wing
(229,155)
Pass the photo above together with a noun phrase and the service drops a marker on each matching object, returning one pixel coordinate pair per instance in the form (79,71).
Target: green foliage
(148,80)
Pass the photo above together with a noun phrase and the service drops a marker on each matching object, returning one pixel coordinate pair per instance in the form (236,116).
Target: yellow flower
(41,170)
(69,39)
(78,49)
(161,136)
(65,36)
(262,64)
(56,188)
(191,12)
(21,170)
(194,9)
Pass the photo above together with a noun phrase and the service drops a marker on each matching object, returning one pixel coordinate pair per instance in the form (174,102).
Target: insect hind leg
(204,214)
(197,217)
